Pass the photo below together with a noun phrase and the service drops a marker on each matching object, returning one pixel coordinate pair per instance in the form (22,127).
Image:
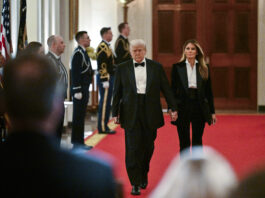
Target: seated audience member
(205,174)
(253,186)
(31,163)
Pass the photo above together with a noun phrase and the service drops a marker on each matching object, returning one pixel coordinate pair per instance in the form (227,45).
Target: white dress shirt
(55,55)
(140,77)
(191,71)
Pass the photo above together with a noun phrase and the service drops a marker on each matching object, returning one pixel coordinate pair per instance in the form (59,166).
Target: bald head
(56,44)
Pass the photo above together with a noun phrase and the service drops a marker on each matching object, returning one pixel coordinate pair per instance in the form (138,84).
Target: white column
(140,21)
(32,20)
(14,12)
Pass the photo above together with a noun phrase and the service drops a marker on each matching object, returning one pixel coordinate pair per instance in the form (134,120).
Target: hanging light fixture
(125,9)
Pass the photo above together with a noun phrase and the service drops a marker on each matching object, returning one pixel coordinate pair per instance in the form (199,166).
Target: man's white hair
(137,42)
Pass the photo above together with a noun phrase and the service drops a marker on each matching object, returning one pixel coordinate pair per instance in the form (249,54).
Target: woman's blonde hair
(203,69)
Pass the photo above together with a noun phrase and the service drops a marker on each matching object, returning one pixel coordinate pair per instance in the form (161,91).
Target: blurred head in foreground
(31,93)
(252,186)
(204,174)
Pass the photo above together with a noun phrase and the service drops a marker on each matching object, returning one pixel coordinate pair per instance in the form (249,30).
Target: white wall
(261,53)
(140,21)
(93,15)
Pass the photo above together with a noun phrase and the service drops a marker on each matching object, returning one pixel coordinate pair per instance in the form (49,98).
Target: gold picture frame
(73,18)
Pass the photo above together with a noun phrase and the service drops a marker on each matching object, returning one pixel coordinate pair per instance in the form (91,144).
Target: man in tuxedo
(56,49)
(122,46)
(105,78)
(82,74)
(31,164)
(137,107)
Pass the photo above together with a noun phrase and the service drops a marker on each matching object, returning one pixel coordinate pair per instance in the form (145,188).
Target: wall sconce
(125,9)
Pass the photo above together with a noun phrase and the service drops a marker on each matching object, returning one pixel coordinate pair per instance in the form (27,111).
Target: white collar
(55,55)
(124,36)
(106,42)
(82,47)
(187,62)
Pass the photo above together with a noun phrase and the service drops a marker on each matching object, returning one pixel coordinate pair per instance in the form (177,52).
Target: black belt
(141,99)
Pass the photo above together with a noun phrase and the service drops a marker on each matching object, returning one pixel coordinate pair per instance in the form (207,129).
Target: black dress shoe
(135,190)
(107,132)
(144,182)
(82,147)
(143,185)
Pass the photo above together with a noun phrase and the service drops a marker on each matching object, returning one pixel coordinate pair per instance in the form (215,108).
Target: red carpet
(240,138)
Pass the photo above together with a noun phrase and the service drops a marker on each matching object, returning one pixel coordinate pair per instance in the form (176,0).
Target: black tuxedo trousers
(139,142)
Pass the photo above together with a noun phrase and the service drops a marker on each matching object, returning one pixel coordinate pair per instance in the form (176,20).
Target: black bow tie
(139,64)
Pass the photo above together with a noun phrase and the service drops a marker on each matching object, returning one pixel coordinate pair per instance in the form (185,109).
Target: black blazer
(125,94)
(179,86)
(32,166)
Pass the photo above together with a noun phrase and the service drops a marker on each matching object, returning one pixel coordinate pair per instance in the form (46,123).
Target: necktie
(139,64)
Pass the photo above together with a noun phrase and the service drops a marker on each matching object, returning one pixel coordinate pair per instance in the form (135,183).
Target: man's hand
(214,119)
(78,96)
(116,120)
(105,84)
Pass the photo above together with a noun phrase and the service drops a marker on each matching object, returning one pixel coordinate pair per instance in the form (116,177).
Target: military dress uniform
(106,69)
(82,74)
(122,50)
(63,81)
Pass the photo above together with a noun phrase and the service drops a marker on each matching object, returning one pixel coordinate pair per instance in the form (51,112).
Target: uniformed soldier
(82,74)
(122,46)
(105,79)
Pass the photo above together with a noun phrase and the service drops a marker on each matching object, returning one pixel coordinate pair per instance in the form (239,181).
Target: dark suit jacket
(31,166)
(63,76)
(81,71)
(179,84)
(125,94)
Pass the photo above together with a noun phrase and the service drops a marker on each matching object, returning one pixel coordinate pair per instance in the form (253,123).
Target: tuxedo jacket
(179,86)
(81,70)
(32,166)
(122,50)
(125,94)
(63,76)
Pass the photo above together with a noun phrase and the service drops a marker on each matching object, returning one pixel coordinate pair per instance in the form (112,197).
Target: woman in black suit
(192,89)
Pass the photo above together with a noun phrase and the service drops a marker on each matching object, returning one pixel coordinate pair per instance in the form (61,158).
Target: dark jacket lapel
(199,78)
(132,75)
(149,72)
(182,70)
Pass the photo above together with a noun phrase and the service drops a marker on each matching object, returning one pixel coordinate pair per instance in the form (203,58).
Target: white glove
(78,96)
(105,84)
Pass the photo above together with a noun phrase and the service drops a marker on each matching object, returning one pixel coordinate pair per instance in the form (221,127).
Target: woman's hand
(173,115)
(214,119)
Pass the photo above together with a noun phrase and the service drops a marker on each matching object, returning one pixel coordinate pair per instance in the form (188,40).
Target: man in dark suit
(82,74)
(31,165)
(105,78)
(137,107)
(122,46)
(56,49)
